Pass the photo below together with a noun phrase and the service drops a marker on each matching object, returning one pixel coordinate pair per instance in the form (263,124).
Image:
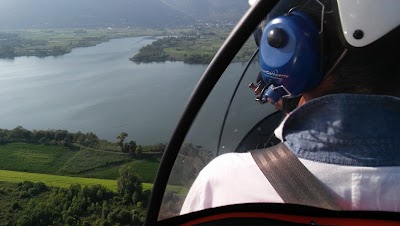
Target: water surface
(97,89)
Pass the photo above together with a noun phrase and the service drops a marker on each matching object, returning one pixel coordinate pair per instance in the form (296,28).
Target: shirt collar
(347,129)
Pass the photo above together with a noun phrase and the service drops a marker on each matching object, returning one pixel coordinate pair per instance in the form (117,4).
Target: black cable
(231,100)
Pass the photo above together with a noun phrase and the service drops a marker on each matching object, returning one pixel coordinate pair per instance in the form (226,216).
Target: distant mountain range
(210,10)
(97,13)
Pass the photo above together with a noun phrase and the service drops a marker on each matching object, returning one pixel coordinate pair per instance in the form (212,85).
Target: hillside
(48,199)
(60,152)
(49,159)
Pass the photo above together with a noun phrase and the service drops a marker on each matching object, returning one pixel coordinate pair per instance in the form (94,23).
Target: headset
(290,57)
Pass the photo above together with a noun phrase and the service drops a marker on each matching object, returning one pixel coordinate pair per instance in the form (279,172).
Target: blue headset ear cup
(290,53)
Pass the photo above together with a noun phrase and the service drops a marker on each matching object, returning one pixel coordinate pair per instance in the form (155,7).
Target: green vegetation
(65,181)
(86,160)
(29,203)
(60,152)
(196,47)
(33,158)
(40,158)
(55,177)
(146,167)
(56,180)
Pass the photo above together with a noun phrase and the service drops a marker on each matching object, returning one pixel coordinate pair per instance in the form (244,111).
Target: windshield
(209,137)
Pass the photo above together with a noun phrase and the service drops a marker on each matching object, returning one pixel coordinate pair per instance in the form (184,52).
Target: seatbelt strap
(291,179)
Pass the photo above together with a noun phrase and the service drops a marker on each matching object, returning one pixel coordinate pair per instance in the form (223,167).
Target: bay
(97,89)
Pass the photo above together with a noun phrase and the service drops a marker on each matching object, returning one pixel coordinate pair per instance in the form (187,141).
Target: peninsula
(197,47)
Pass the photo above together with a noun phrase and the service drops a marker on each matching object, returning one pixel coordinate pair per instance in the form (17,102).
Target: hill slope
(38,158)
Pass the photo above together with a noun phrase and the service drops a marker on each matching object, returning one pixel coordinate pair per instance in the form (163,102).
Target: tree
(132,147)
(129,185)
(20,134)
(121,139)
(139,151)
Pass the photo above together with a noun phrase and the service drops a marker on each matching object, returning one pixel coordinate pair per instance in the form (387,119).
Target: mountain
(88,13)
(95,13)
(210,10)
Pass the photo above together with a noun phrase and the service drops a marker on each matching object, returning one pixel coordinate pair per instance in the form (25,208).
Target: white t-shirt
(235,178)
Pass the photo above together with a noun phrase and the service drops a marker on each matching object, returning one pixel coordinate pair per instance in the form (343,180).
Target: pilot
(339,58)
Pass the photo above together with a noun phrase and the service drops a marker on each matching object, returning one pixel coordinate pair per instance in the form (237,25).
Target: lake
(97,89)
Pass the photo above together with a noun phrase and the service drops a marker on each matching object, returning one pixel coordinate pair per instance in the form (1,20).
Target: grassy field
(34,158)
(61,166)
(146,169)
(56,180)
(56,160)
(85,160)
(65,181)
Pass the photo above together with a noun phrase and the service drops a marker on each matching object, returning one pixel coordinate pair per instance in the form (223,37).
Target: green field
(60,166)
(65,181)
(34,158)
(57,160)
(56,180)
(85,160)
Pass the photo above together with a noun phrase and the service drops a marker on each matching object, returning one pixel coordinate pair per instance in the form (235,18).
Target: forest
(27,203)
